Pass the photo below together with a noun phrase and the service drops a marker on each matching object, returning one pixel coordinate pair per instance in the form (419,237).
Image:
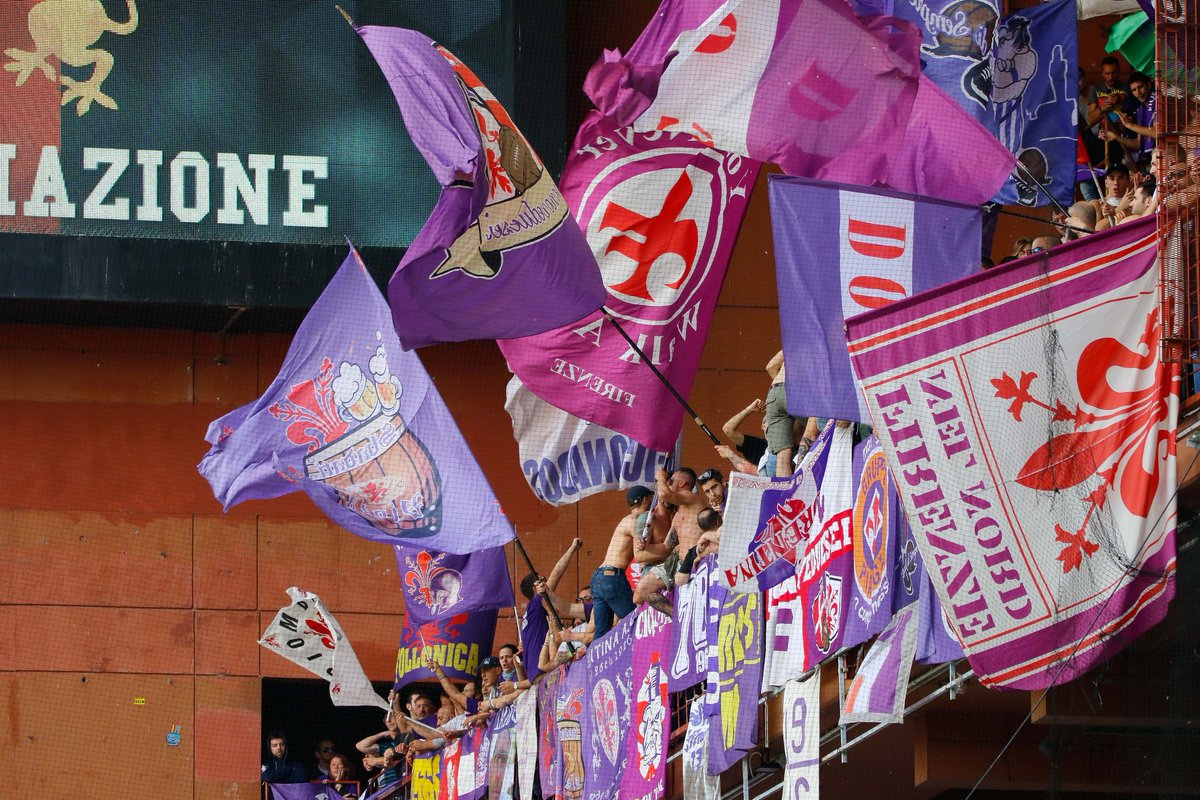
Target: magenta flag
(661,213)
(805,84)
(500,255)
(647,745)
(357,424)
(1033,422)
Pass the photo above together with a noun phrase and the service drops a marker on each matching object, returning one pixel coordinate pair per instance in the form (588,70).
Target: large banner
(1035,425)
(661,213)
(357,424)
(549,690)
(841,250)
(450,607)
(306,634)
(697,783)
(204,119)
(689,635)
(877,520)
(647,744)
(609,702)
(566,459)
(500,255)
(1035,67)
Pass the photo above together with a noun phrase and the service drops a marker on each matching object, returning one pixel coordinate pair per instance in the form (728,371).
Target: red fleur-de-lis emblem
(321,630)
(1114,435)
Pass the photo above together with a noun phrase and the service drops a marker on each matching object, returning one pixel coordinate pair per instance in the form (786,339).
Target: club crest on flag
(523,204)
(871,517)
(604,710)
(651,711)
(1115,425)
(649,245)
(827,612)
(436,587)
(360,446)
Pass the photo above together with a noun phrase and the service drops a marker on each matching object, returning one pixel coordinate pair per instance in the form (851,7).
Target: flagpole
(999,209)
(662,378)
(550,603)
(1033,179)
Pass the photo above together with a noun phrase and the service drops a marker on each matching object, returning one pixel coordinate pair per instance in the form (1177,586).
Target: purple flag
(647,743)
(733,730)
(569,721)
(358,425)
(689,635)
(935,635)
(661,213)
(308,791)
(450,603)
(842,250)
(608,704)
(870,595)
(878,690)
(500,255)
(1038,478)
(549,764)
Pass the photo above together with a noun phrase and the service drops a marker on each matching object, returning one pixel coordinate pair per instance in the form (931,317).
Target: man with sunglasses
(324,753)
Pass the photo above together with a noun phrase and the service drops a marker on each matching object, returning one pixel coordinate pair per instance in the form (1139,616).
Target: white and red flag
(1031,426)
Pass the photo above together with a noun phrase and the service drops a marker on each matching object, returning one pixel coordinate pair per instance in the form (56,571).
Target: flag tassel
(691,412)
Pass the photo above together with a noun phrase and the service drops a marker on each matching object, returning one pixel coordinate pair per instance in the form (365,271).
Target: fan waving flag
(1034,424)
(661,213)
(358,425)
(1035,62)
(840,250)
(306,634)
(500,255)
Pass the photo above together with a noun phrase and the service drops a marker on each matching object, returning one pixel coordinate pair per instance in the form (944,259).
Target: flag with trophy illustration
(500,255)
(1034,422)
(357,423)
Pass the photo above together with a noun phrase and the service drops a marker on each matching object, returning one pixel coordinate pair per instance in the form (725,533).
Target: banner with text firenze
(661,213)
(219,121)
(841,250)
(1034,424)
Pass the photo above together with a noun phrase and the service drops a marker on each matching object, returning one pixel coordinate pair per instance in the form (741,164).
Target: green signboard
(223,121)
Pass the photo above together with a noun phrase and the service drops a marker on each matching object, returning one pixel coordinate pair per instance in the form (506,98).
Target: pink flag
(1034,424)
(805,84)
(661,213)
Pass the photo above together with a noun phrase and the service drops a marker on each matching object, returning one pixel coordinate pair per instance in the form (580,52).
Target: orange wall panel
(300,553)
(100,377)
(227,643)
(107,559)
(64,727)
(93,639)
(227,738)
(225,550)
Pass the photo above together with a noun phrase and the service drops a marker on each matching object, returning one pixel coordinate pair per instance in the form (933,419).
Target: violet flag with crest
(501,255)
(356,422)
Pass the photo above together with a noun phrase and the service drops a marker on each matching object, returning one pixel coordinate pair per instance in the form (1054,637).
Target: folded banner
(1035,64)
(802,738)
(549,690)
(697,783)
(425,776)
(878,690)
(805,84)
(450,606)
(783,641)
(526,744)
(733,729)
(306,634)
(936,643)
(841,250)
(647,744)
(358,425)
(661,213)
(500,255)
(689,635)
(1039,477)
(609,707)
(566,459)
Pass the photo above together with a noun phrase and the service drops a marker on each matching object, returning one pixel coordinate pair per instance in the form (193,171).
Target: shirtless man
(675,490)
(611,593)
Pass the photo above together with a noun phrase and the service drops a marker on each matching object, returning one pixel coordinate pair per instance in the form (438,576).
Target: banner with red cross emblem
(1030,424)
(661,212)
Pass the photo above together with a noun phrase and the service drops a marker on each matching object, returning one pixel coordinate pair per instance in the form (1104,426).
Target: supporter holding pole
(549,603)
